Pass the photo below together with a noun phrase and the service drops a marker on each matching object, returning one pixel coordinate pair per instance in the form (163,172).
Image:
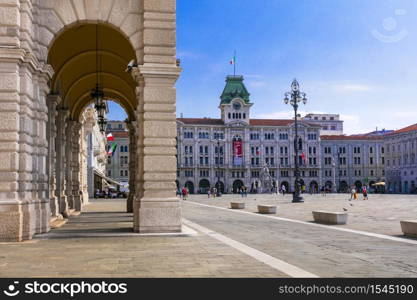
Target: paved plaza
(220,242)
(382,213)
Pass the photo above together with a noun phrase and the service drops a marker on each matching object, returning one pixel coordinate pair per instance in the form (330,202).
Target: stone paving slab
(382,213)
(156,256)
(319,250)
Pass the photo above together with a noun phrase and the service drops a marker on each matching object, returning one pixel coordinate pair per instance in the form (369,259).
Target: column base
(129,204)
(77,203)
(157,215)
(64,207)
(17,221)
(43,216)
(54,207)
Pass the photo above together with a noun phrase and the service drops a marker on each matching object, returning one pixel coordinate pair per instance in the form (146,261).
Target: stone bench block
(328,217)
(237,205)
(267,209)
(409,227)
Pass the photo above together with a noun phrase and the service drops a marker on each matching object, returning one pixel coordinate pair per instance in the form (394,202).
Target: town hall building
(230,152)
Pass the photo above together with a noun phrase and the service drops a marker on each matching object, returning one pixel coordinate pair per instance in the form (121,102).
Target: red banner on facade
(237,152)
(237,148)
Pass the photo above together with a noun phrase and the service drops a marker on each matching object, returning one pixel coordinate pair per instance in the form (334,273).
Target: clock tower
(234,104)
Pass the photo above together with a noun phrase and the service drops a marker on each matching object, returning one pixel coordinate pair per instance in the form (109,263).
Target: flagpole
(234,64)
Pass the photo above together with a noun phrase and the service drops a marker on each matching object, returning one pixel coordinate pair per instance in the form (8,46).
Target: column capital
(149,71)
(54,99)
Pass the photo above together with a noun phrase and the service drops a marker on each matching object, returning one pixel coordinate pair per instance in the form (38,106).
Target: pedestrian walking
(283,189)
(365,193)
(184,193)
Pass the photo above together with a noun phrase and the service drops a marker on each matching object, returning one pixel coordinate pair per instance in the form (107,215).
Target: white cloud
(188,55)
(255,76)
(352,87)
(256,84)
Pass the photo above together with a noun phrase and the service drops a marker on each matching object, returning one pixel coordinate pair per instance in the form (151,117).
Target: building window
(283,136)
(188,135)
(188,173)
(254,136)
(121,172)
(218,135)
(109,173)
(203,135)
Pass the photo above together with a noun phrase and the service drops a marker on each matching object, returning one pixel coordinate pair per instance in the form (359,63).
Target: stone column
(16,210)
(158,209)
(61,191)
(132,165)
(40,145)
(52,102)
(69,133)
(75,165)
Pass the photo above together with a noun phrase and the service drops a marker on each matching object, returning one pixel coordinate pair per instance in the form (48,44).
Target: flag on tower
(112,149)
(233,63)
(110,137)
(303,157)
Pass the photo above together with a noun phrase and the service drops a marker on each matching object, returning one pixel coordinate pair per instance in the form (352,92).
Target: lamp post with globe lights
(295,97)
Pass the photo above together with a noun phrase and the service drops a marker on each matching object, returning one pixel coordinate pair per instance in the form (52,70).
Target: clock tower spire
(234,100)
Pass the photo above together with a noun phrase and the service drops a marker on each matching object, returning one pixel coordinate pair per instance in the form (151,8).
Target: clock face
(236,105)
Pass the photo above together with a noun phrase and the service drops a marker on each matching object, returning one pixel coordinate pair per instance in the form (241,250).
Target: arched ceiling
(73,57)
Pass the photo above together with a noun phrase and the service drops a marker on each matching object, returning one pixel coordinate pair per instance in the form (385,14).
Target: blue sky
(352,57)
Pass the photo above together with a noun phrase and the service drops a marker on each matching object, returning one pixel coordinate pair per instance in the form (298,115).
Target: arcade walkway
(100,243)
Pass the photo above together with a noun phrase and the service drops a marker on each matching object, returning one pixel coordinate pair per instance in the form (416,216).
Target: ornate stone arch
(30,101)
(52,17)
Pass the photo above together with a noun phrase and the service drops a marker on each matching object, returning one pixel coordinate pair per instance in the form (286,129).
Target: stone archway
(190,186)
(344,187)
(203,186)
(358,186)
(220,186)
(237,185)
(42,96)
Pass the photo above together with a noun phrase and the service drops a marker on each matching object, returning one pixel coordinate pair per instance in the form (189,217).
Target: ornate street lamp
(295,97)
(97,93)
(339,162)
(218,167)
(102,123)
